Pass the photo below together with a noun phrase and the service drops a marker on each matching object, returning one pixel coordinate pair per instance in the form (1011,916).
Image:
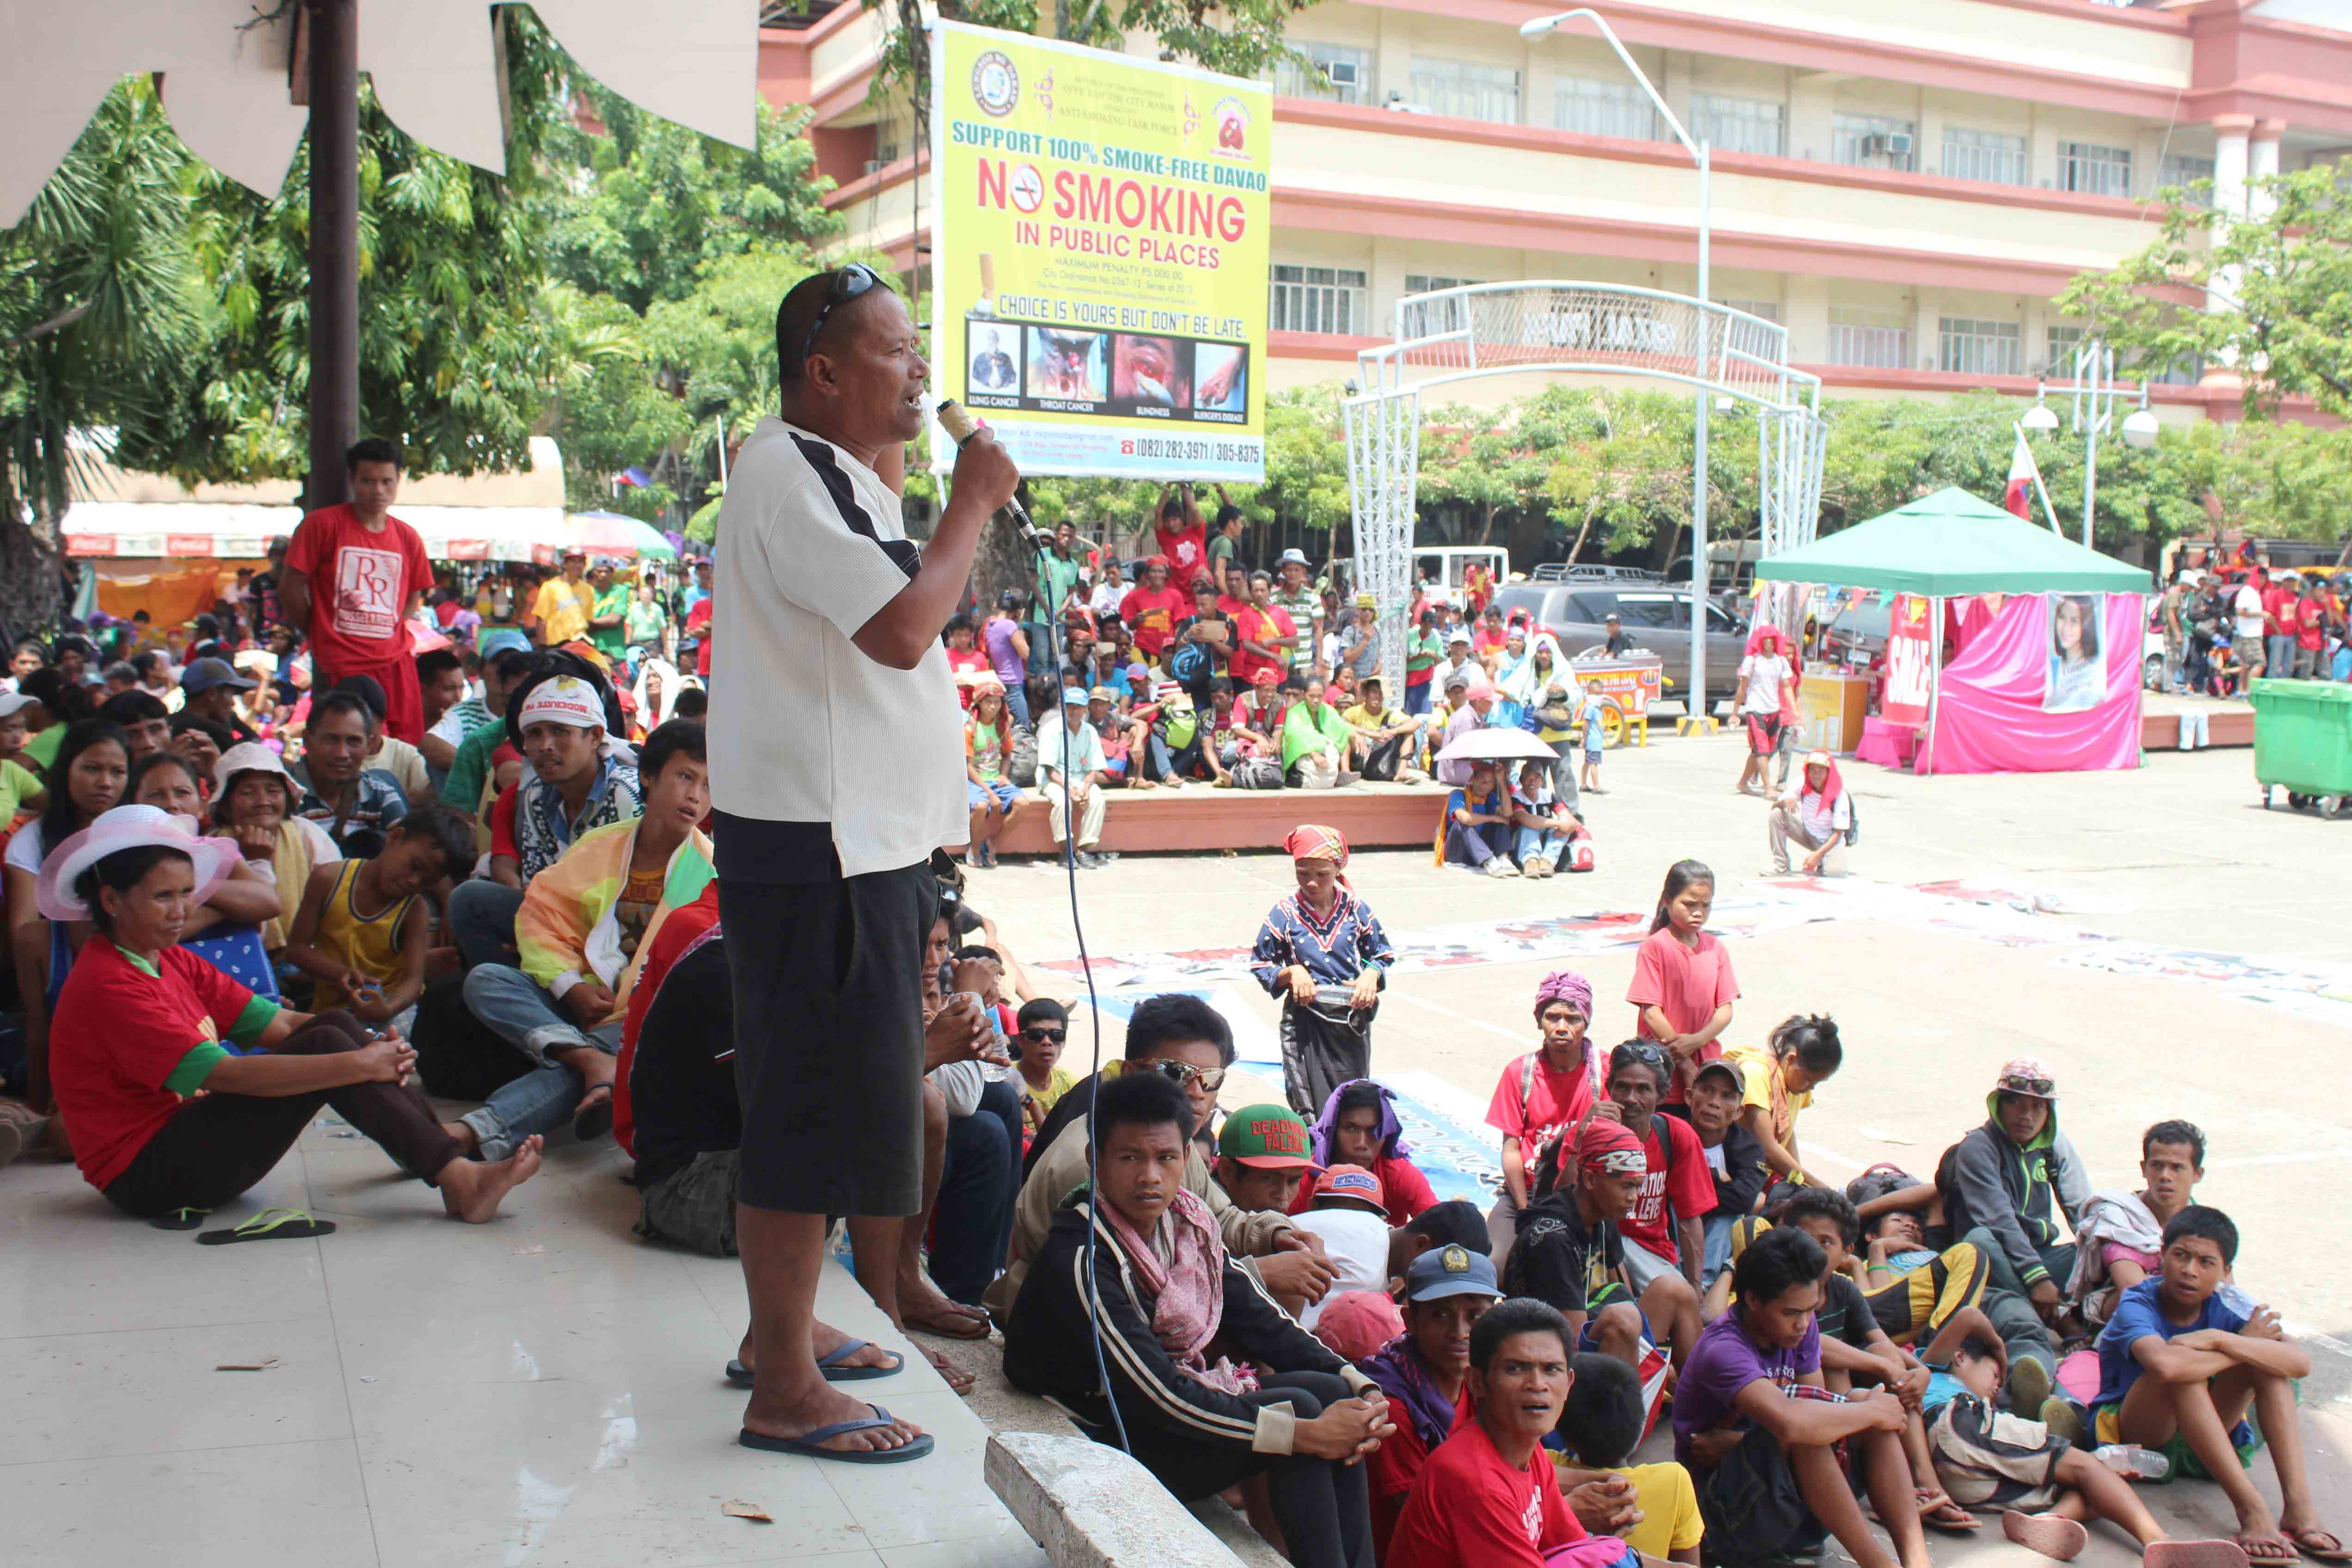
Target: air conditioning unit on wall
(1888,145)
(1343,73)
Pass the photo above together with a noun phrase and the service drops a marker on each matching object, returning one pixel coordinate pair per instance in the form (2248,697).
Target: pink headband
(1565,986)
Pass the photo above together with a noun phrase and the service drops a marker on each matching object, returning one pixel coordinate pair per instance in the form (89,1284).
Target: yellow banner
(1099,257)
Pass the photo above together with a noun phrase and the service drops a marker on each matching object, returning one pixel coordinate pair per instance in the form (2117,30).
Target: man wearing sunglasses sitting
(1045,1028)
(1182,1039)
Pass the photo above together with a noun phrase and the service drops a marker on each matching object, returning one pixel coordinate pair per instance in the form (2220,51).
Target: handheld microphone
(956,420)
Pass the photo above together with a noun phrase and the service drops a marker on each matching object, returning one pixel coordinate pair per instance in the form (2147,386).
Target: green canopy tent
(1952,545)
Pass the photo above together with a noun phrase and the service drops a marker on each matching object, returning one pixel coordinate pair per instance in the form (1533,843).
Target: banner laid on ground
(1099,257)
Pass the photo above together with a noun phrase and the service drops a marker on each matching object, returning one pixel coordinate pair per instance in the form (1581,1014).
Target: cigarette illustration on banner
(1099,257)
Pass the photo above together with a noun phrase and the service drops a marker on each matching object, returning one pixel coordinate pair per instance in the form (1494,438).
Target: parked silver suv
(1654,612)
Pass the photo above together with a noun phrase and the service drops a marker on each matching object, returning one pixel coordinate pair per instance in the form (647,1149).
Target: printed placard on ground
(1099,255)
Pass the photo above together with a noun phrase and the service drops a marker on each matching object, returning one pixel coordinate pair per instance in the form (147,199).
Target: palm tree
(101,312)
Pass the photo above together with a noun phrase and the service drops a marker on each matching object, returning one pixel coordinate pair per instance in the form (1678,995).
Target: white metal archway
(1484,329)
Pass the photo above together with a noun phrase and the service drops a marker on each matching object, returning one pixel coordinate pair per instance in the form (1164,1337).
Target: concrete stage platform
(1198,817)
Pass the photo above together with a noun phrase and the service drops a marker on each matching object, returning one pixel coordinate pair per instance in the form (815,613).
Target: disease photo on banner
(1099,257)
(2078,675)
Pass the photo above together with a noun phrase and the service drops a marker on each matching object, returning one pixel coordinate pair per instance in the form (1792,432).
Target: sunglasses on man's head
(2035,1086)
(848,284)
(1209,1079)
(1044,1036)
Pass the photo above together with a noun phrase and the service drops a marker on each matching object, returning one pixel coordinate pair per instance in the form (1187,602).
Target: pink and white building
(1906,186)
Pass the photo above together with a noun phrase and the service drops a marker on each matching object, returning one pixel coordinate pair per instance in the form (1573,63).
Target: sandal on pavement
(831,1366)
(951,1325)
(2306,1541)
(811,1444)
(2273,1547)
(270,1224)
(180,1219)
(2051,1534)
(2194,1554)
(1938,1512)
(595,1116)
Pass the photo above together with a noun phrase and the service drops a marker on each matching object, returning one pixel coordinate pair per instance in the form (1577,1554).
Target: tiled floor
(542,1390)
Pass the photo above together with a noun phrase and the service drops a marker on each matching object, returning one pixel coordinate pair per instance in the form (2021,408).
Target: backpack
(1022,767)
(1257,773)
(1853,821)
(1188,664)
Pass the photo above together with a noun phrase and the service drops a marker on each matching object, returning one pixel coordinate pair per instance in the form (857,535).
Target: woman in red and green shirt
(165,1117)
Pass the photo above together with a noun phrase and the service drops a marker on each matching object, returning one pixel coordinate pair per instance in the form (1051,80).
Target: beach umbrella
(614,534)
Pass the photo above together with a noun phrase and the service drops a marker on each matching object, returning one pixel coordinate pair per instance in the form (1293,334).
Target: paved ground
(2178,854)
(546,1390)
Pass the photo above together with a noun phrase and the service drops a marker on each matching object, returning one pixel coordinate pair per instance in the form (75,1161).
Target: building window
(1738,124)
(2185,370)
(1992,156)
(2064,342)
(1466,91)
(1879,340)
(2177,170)
(1603,109)
(1317,300)
(1438,315)
(1972,347)
(1337,73)
(2094,170)
(1875,141)
(1770,309)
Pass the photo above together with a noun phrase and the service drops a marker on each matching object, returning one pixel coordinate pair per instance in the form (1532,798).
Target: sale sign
(1910,661)
(1099,257)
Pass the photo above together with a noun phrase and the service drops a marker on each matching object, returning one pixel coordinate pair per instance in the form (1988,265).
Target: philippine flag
(2022,476)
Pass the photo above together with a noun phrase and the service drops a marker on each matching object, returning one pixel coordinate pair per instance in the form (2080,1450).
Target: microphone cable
(1094,1009)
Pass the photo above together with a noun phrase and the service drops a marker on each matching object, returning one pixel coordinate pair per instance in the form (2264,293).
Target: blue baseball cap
(1450,1271)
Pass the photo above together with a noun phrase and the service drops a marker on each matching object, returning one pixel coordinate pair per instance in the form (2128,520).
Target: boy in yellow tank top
(354,934)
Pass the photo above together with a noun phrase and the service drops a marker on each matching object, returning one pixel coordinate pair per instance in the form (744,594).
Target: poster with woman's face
(2078,675)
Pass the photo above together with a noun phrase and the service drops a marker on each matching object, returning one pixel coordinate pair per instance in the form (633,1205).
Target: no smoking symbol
(1027,187)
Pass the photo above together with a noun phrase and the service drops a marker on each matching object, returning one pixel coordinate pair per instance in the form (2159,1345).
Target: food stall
(1626,686)
(2011,649)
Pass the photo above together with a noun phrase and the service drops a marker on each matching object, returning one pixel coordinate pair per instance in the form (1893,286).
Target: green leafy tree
(2269,296)
(454,349)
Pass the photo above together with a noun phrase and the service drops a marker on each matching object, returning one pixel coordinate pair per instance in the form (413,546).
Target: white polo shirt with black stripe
(824,762)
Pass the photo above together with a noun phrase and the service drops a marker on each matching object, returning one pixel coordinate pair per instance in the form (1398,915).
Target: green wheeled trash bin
(2302,742)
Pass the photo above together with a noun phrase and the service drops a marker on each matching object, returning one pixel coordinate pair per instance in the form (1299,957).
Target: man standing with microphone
(836,768)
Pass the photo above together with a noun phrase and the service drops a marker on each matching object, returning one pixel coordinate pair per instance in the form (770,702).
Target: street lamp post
(2095,393)
(1543,27)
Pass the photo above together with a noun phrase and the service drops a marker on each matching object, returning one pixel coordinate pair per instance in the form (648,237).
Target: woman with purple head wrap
(1545,1094)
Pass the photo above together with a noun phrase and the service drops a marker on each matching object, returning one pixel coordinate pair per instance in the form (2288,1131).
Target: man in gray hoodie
(2004,1188)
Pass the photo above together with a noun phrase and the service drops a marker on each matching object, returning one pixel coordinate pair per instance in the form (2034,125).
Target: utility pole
(333,81)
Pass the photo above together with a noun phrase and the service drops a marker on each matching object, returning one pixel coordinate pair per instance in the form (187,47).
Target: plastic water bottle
(996,1056)
(2133,1462)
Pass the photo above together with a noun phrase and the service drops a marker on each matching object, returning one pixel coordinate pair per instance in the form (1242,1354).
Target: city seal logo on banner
(995,83)
(1231,122)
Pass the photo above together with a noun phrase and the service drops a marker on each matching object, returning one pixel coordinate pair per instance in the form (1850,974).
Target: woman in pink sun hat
(180,1089)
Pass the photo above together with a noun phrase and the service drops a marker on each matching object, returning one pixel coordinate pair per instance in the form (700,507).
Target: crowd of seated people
(523,912)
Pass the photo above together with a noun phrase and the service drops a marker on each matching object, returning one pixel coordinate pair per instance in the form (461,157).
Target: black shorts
(827,979)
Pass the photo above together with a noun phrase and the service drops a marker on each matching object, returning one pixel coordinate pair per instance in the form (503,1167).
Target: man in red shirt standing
(1489,1496)
(1152,610)
(1184,537)
(2278,626)
(2310,632)
(353,575)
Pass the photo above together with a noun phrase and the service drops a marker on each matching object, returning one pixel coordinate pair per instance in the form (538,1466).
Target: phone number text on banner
(1099,257)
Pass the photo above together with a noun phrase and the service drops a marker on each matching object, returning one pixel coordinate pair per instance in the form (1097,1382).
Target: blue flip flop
(740,1376)
(810,1444)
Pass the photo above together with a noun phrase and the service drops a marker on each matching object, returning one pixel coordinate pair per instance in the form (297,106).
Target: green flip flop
(270,1224)
(180,1219)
